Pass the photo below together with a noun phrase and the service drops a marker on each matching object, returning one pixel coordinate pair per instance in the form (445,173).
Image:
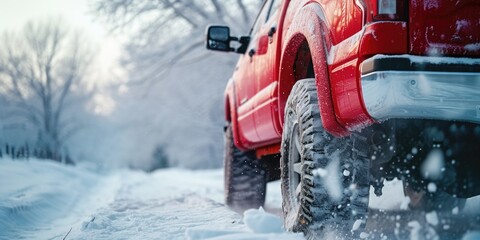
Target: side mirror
(219,39)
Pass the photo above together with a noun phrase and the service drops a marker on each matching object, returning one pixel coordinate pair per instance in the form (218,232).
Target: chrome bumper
(421,88)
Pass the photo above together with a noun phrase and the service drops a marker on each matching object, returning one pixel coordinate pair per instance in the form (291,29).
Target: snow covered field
(45,200)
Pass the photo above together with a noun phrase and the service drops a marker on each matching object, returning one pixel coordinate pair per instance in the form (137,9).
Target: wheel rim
(295,168)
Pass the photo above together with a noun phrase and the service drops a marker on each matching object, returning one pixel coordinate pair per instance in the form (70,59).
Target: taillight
(388,10)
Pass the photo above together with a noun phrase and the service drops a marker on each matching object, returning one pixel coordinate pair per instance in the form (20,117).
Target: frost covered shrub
(160,159)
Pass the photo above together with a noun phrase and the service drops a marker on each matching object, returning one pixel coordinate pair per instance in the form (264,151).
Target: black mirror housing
(244,41)
(218,38)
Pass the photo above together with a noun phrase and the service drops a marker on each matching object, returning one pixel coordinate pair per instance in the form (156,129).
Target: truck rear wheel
(325,180)
(245,177)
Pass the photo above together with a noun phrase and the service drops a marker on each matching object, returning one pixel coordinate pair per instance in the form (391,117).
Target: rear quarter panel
(333,30)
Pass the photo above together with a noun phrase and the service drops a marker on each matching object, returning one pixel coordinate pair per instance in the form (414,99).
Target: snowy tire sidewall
(313,210)
(245,177)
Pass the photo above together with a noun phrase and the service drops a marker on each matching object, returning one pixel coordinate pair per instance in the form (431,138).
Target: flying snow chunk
(259,221)
(472,236)
(320,172)
(364,235)
(432,218)
(356,225)
(330,179)
(405,202)
(432,187)
(455,211)
(433,165)
(414,150)
(415,230)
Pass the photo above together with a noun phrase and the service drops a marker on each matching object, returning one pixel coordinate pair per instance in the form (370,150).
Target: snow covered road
(168,204)
(45,200)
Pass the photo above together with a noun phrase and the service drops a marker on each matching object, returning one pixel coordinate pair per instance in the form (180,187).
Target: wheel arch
(314,35)
(228,114)
(231,112)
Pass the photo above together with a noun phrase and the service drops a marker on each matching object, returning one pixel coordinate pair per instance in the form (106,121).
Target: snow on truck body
(381,77)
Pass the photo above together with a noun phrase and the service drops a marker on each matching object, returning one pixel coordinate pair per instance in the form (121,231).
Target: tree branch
(179,12)
(218,10)
(243,9)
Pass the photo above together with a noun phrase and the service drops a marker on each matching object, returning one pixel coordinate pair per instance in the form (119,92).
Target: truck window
(273,8)
(261,17)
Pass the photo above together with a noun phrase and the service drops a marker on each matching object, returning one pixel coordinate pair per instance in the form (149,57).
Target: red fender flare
(314,32)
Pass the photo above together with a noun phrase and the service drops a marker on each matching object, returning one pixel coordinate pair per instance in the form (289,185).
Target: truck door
(266,98)
(245,84)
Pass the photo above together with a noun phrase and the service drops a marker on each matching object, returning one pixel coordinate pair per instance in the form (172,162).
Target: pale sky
(14,14)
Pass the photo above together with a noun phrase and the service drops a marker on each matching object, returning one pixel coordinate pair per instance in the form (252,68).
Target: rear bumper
(405,86)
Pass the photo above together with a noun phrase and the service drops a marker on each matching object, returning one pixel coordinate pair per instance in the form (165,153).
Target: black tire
(245,177)
(310,207)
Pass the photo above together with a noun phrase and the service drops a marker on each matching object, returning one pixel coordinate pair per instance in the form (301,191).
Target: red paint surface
(444,27)
(340,35)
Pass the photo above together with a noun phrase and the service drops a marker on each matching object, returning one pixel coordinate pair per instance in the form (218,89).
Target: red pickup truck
(335,97)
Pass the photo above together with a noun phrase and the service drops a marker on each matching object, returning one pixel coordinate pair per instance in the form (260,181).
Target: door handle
(272,31)
(251,52)
(270,34)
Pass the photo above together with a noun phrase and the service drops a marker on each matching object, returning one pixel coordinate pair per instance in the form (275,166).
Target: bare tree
(41,71)
(176,81)
(165,32)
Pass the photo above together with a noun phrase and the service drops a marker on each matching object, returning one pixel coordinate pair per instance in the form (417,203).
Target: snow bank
(35,194)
